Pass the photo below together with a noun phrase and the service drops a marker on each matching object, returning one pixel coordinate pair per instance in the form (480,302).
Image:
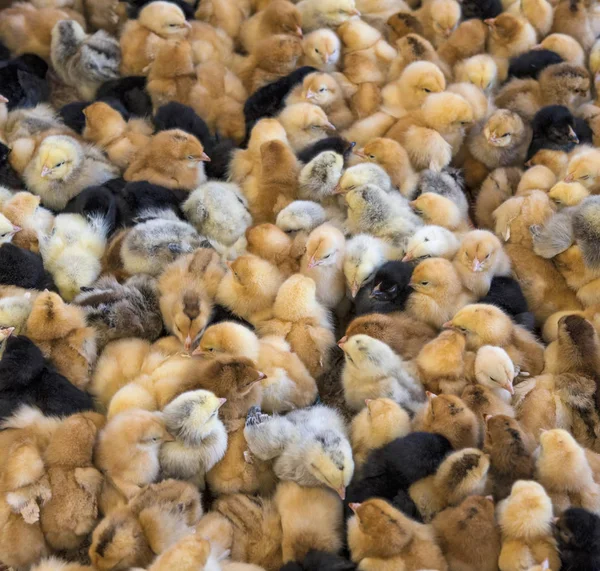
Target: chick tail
(31,417)
(98,224)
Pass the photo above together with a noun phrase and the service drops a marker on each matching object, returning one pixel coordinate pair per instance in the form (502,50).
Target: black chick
(336,144)
(578,534)
(480,9)
(554,127)
(388,291)
(4,52)
(320,561)
(22,268)
(130,92)
(8,176)
(531,63)
(23,81)
(72,113)
(506,293)
(26,378)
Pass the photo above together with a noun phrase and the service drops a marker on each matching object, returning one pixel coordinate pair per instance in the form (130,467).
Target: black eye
(426,90)
(317,51)
(424,283)
(505,135)
(426,239)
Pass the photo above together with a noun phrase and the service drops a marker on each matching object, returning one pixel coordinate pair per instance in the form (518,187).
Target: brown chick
(380,422)
(382,537)
(449,416)
(172,159)
(509,449)
(23,210)
(483,401)
(467,40)
(249,287)
(468,535)
(120,139)
(273,57)
(510,36)
(411,48)
(499,186)
(274,245)
(439,210)
(574,18)
(218,97)
(279,17)
(484,324)
(304,124)
(61,332)
(72,511)
(225,14)
(403,24)
(437,292)
(26,29)
(578,276)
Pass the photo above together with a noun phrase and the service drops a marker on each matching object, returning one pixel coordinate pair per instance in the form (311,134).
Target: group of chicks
(300,287)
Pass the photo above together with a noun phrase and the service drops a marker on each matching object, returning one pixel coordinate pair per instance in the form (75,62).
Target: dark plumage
(320,561)
(4,52)
(22,81)
(531,63)
(270,99)
(578,534)
(134,7)
(26,378)
(72,113)
(388,291)
(586,229)
(130,92)
(448,182)
(8,176)
(22,268)
(336,144)
(396,466)
(122,310)
(506,293)
(554,127)
(480,9)
(96,200)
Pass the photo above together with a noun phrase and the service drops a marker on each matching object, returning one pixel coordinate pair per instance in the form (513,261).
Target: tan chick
(480,70)
(495,370)
(566,47)
(228,15)
(274,245)
(322,50)
(575,19)
(510,36)
(439,210)
(469,39)
(539,13)
(582,168)
(439,19)
(304,124)
(330,14)
(23,210)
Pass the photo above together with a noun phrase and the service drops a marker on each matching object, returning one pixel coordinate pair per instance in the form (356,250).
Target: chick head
(566,47)
(558,447)
(164,19)
(574,529)
(386,415)
(527,512)
(414,47)
(336,12)
(480,70)
(283,17)
(565,194)
(418,80)
(7,230)
(428,242)
(180,146)
(321,89)
(305,117)
(584,168)
(434,277)
(446,111)
(479,250)
(502,127)
(442,409)
(301,215)
(505,28)
(103,124)
(368,354)
(145,430)
(238,373)
(569,84)
(494,368)
(192,415)
(191,313)
(228,338)
(297,297)
(329,459)
(365,198)
(437,210)
(58,156)
(358,35)
(364,256)
(482,324)
(322,46)
(384,151)
(249,271)
(445,15)
(362,174)
(500,428)
(268,241)
(324,246)
(265,130)
(405,23)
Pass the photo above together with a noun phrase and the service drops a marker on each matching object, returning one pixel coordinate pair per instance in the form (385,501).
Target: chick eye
(493,380)
(426,90)
(424,283)
(317,51)
(557,201)
(59,164)
(191,158)
(487,257)
(585,177)
(172,25)
(372,157)
(323,89)
(425,239)
(505,135)
(325,257)
(155,439)
(352,187)
(462,329)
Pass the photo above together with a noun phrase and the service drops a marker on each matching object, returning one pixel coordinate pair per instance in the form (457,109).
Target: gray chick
(320,176)
(448,183)
(301,216)
(84,61)
(309,446)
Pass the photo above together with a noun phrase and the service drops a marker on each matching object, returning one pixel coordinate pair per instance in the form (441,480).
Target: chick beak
(45,171)
(310,94)
(448,325)
(222,401)
(537,47)
(3,99)
(329,125)
(168,437)
(376,292)
(355,12)
(488,417)
(509,388)
(16,229)
(312,262)
(7,331)
(367,401)
(448,32)
(197,352)
(568,178)
(529,163)
(299,32)
(408,257)
(354,290)
(430,396)
(342,341)
(261,376)
(573,136)
(338,189)
(341,492)
(476,265)
(360,153)
(205,158)
(354,507)
(188,343)
(186,24)
(490,22)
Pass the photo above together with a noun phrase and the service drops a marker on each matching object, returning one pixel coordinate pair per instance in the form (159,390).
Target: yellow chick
(322,49)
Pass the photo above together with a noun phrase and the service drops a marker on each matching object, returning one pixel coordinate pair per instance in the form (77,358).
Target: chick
(574,19)
(510,35)
(73,251)
(480,70)
(373,370)
(300,216)
(380,422)
(7,230)
(577,534)
(407,544)
(329,15)
(61,168)
(439,19)
(138,434)
(525,519)
(363,256)
(200,437)
(304,124)
(84,61)
(582,169)
(411,48)
(319,178)
(249,287)
(448,183)
(363,174)
(323,262)
(225,14)
(539,13)
(72,511)
(554,127)
(495,370)
(467,40)
(219,211)
(431,242)
(438,292)
(274,245)
(468,535)
(308,446)
(566,47)
(322,49)
(172,158)
(567,194)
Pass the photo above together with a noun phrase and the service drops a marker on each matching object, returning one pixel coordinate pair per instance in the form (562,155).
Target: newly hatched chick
(577,532)
(554,127)
(363,256)
(388,291)
(479,259)
(525,519)
(566,47)
(319,178)
(411,48)
(448,183)
(431,242)
(219,211)
(328,15)
(439,18)
(438,292)
(23,210)
(72,252)
(172,158)
(274,245)
(200,437)
(378,423)
(61,168)
(300,216)
(372,370)
(137,435)
(309,446)
(567,194)
(582,168)
(322,50)
(323,261)
(500,185)
(510,35)
(84,61)
(72,511)
(304,124)
(495,370)
(575,19)
(363,174)
(7,230)
(480,70)
(467,40)
(539,13)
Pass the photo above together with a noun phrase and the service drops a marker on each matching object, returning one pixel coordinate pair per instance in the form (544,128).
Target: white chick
(301,216)
(323,261)
(322,50)
(372,370)
(309,446)
(7,230)
(219,211)
(362,174)
(14,311)
(72,252)
(495,370)
(364,255)
(319,177)
(431,242)
(325,14)
(200,436)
